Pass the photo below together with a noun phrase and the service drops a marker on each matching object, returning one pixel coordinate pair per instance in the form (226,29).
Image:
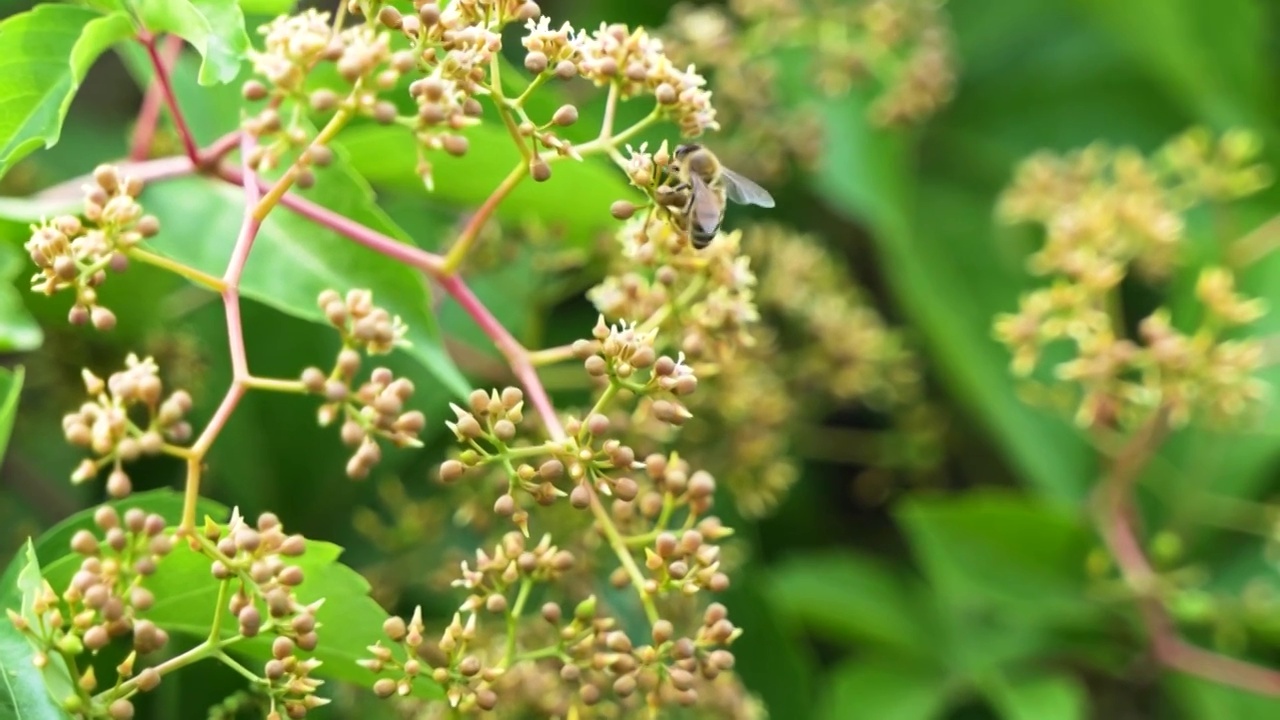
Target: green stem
(605,397)
(620,549)
(203,279)
(520,99)
(467,238)
(513,619)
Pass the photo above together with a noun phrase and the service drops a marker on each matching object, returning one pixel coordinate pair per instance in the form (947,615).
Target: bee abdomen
(702,238)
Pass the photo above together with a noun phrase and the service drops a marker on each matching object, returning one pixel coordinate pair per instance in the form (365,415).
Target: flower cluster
(586,660)
(705,298)
(1105,212)
(449,58)
(850,353)
(376,408)
(636,63)
(901,48)
(255,560)
(74,253)
(106,599)
(105,427)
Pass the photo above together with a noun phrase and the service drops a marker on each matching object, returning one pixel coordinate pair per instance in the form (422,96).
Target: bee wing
(743,190)
(706,211)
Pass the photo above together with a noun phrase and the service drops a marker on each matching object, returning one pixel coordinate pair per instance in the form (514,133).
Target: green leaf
(19,332)
(575,200)
(294,259)
(998,550)
(10,394)
(267,7)
(25,692)
(1199,699)
(53,547)
(210,111)
(1057,697)
(884,690)
(214,27)
(772,659)
(186,592)
(1213,57)
(848,597)
(44,56)
(349,620)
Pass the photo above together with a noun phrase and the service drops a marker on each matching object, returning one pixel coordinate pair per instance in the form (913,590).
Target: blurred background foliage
(913,533)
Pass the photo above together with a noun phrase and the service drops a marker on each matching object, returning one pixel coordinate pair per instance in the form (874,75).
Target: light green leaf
(1045,697)
(186,591)
(349,620)
(267,7)
(53,547)
(25,692)
(575,200)
(884,690)
(44,56)
(1210,56)
(19,332)
(856,599)
(10,394)
(293,259)
(214,27)
(1199,699)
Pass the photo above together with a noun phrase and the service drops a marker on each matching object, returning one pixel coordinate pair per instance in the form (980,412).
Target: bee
(705,185)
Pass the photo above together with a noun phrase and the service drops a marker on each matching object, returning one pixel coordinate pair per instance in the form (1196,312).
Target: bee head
(682,151)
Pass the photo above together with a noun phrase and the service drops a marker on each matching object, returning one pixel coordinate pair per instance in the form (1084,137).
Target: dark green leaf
(772,660)
(852,598)
(1038,698)
(576,199)
(214,27)
(294,259)
(867,174)
(884,690)
(996,549)
(25,692)
(44,56)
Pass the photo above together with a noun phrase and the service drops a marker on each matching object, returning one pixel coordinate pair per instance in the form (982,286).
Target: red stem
(1117,525)
(148,115)
(161,81)
(510,348)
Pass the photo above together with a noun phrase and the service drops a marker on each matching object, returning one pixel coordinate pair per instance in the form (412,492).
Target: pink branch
(517,356)
(362,235)
(166,90)
(235,266)
(149,113)
(511,348)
